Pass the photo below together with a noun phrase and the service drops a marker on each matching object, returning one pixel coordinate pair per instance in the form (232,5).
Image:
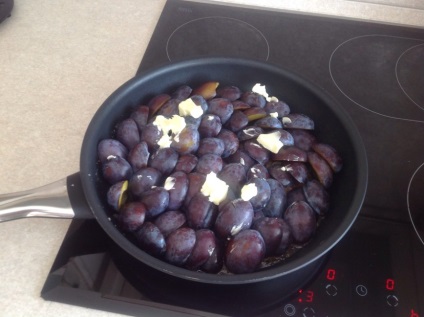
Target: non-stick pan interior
(333,126)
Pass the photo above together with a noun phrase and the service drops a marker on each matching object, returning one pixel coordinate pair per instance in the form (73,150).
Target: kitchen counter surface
(59,61)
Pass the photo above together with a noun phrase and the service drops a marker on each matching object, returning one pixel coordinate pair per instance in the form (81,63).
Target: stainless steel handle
(49,201)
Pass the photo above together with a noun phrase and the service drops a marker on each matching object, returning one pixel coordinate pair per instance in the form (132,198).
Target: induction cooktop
(376,72)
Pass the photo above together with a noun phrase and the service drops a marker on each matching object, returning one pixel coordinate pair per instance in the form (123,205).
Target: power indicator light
(413,314)
(390,284)
(331,274)
(307,296)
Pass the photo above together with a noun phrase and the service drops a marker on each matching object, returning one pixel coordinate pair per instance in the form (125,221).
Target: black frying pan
(243,293)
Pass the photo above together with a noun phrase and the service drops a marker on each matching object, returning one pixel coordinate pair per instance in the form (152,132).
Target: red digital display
(413,314)
(307,296)
(331,274)
(390,284)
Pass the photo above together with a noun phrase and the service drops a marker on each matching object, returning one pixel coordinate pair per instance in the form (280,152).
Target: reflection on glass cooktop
(376,73)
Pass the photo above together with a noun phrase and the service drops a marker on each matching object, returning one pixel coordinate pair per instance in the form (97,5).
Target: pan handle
(61,199)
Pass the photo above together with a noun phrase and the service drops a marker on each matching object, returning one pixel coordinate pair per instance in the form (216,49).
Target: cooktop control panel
(368,275)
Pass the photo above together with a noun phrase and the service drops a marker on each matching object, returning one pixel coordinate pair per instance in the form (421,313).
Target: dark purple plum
(210,125)
(257,171)
(216,260)
(263,192)
(298,170)
(271,230)
(127,133)
(177,186)
(157,102)
(141,116)
(169,109)
(182,92)
(221,107)
(187,141)
(195,122)
(228,92)
(201,213)
(195,183)
(205,245)
(143,180)
(111,147)
(210,146)
(186,163)
(279,172)
(286,138)
(291,154)
(294,195)
(116,169)
(117,195)
(253,99)
(170,221)
(241,157)
(131,216)
(209,163)
(179,245)
(322,170)
(139,156)
(200,101)
(151,135)
(231,142)
(269,122)
(298,121)
(330,155)
(317,196)
(234,174)
(156,201)
(286,238)
(279,107)
(164,160)
(303,139)
(256,151)
(277,201)
(150,239)
(233,218)
(237,121)
(245,252)
(249,132)
(302,221)
(240,105)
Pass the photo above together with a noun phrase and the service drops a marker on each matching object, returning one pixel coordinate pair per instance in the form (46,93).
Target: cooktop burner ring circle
(398,79)
(408,202)
(187,40)
(333,73)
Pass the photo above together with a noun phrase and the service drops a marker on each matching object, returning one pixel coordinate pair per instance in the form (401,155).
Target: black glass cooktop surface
(376,72)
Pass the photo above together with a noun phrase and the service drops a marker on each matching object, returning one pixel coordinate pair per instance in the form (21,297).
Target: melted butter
(169,183)
(271,141)
(169,127)
(249,191)
(189,108)
(214,188)
(261,90)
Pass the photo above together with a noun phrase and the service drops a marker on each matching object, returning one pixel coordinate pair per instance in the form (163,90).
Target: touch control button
(392,300)
(331,290)
(289,310)
(308,312)
(361,290)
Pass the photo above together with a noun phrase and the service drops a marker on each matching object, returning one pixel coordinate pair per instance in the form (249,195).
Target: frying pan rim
(88,176)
